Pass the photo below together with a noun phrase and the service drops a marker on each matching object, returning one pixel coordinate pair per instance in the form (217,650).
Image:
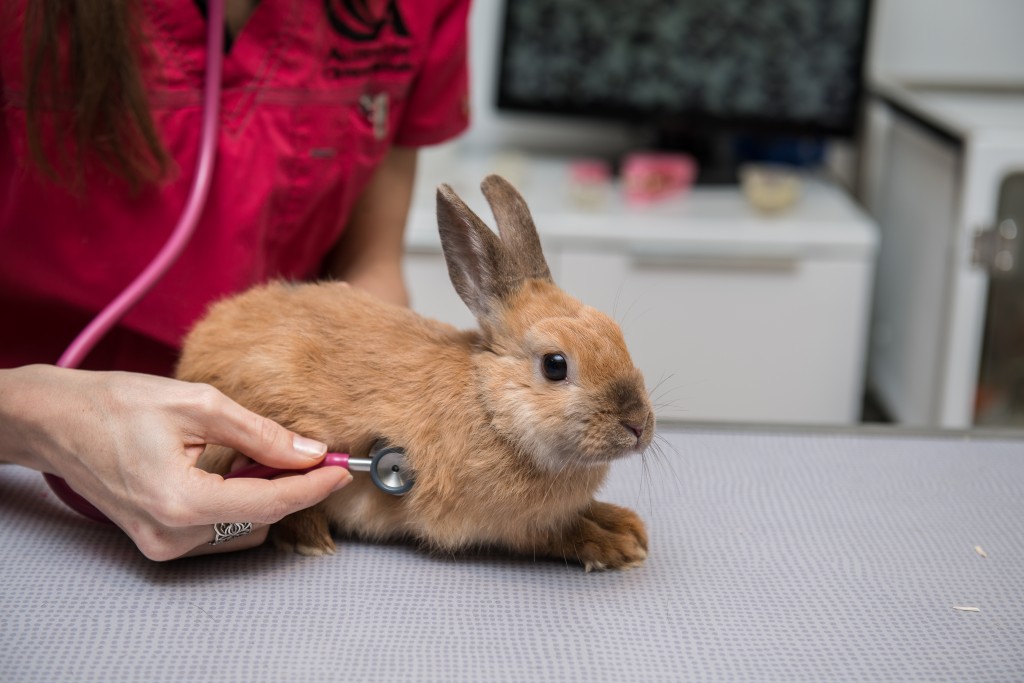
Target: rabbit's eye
(555,367)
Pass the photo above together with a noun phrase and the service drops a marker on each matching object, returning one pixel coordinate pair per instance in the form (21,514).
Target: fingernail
(313,449)
(343,482)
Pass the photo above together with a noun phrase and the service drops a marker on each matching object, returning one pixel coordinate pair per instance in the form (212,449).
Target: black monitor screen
(789,65)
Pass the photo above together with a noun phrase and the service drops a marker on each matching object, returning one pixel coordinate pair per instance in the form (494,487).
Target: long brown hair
(96,93)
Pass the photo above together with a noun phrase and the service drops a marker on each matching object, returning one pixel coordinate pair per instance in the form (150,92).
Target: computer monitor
(689,70)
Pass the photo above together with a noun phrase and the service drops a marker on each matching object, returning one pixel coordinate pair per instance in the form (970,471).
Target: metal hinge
(995,248)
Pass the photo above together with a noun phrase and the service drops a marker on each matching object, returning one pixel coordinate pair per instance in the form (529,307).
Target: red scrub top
(314,94)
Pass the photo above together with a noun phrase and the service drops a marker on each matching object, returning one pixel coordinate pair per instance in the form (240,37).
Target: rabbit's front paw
(608,537)
(305,532)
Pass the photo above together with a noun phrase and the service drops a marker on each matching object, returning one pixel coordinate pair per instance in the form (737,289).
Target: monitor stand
(714,152)
(720,154)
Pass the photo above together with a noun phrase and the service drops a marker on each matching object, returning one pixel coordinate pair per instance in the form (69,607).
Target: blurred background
(800,211)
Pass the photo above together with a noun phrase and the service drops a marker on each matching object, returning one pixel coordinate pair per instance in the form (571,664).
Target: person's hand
(129,443)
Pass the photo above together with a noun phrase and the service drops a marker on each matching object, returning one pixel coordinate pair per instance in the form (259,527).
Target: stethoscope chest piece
(387,467)
(390,471)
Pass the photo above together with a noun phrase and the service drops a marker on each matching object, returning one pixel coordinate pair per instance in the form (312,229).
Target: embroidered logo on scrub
(363,20)
(374,39)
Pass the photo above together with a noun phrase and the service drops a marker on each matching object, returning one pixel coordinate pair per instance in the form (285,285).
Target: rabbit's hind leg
(305,532)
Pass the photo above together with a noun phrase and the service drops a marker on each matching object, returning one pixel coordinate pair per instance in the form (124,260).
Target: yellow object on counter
(770,188)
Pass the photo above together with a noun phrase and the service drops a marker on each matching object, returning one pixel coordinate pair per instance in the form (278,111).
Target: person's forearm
(369,253)
(383,279)
(20,419)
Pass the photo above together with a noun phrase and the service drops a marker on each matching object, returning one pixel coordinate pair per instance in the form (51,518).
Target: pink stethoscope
(386,464)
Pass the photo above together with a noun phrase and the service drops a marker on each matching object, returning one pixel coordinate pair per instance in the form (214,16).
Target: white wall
(949,41)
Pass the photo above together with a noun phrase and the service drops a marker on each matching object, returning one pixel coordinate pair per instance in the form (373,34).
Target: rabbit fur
(503,456)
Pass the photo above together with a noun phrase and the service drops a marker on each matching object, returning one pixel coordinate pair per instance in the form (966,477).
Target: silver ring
(226,531)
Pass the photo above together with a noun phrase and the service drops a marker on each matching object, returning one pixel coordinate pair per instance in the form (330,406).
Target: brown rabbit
(509,430)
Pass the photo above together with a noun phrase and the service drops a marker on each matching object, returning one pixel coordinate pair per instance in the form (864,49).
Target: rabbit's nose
(637,429)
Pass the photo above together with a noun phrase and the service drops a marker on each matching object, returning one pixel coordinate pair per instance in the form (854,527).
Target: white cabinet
(943,164)
(730,314)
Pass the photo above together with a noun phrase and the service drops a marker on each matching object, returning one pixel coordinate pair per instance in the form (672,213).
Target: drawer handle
(423,249)
(740,256)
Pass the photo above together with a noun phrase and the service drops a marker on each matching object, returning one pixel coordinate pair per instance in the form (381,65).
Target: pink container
(653,176)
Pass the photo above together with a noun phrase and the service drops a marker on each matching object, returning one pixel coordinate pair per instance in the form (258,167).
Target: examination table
(776,555)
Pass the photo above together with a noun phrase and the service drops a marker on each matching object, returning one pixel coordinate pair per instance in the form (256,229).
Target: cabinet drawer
(777,339)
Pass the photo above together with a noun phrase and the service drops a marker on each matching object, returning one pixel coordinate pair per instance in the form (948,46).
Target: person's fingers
(261,500)
(187,529)
(220,420)
(257,537)
(162,545)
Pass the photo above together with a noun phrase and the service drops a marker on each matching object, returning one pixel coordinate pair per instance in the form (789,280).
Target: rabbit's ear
(515,225)
(478,263)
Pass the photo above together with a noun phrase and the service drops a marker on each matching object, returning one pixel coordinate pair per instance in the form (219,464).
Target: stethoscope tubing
(386,465)
(172,249)
(200,190)
(259,471)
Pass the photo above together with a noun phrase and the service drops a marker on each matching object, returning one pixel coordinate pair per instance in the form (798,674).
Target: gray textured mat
(775,557)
